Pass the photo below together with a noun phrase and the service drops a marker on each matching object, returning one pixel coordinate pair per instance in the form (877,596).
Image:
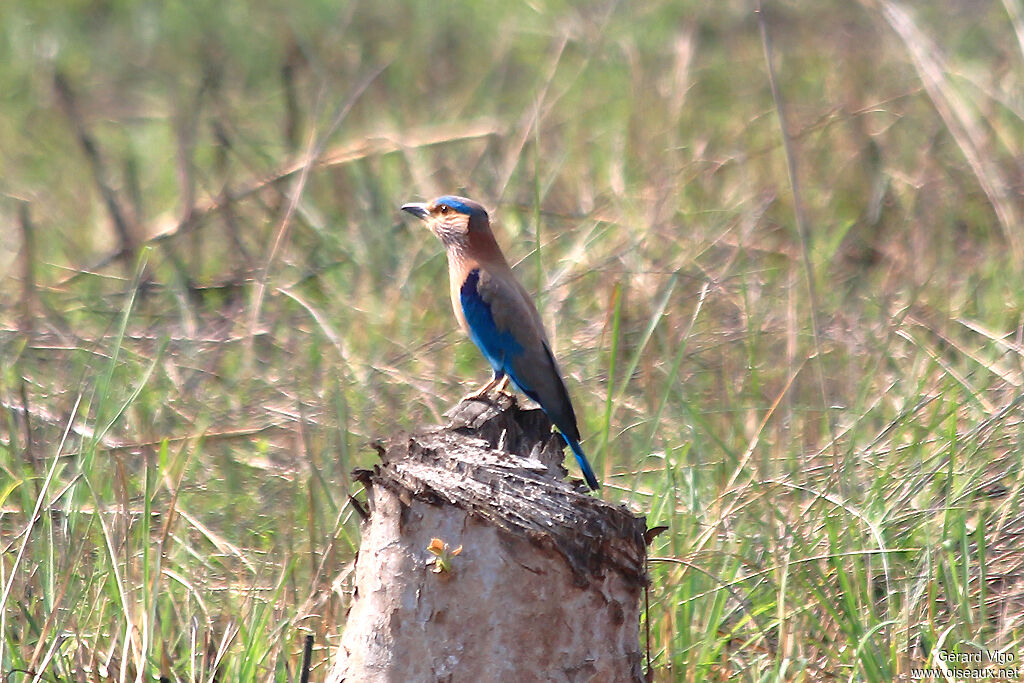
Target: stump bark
(548,581)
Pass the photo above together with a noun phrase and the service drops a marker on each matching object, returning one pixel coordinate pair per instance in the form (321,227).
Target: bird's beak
(417,209)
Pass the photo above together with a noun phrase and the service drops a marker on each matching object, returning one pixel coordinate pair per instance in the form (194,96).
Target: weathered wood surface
(547,585)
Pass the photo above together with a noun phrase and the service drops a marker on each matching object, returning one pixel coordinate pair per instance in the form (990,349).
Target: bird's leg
(499,378)
(503,384)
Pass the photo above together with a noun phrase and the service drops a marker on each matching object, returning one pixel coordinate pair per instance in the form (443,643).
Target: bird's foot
(481,392)
(501,382)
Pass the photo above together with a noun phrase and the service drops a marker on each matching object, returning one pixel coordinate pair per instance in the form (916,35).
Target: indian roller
(498,314)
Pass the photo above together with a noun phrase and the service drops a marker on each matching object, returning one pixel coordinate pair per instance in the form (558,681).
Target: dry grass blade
(960,119)
(29,524)
(315,149)
(370,145)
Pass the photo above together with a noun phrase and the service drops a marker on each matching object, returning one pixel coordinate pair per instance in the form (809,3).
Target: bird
(498,314)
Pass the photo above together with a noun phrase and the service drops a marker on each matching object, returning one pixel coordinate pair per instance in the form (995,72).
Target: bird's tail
(581,458)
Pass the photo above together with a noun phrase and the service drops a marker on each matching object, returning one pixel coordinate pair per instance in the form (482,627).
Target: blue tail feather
(581,459)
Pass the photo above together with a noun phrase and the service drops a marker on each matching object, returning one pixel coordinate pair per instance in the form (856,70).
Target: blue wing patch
(498,346)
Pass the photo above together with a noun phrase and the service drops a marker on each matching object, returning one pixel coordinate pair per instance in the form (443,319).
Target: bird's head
(453,219)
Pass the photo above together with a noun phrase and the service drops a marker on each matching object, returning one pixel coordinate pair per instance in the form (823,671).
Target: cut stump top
(501,463)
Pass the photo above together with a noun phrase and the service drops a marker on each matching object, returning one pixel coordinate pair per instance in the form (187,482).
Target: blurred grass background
(213,306)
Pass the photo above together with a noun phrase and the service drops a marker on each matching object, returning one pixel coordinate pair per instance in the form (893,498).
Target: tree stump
(548,581)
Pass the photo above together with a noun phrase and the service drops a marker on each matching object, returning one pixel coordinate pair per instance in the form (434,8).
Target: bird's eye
(444,209)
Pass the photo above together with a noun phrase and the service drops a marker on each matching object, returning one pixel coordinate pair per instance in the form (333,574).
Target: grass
(183,400)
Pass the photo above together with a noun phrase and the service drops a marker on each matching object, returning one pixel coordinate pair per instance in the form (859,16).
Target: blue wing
(499,347)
